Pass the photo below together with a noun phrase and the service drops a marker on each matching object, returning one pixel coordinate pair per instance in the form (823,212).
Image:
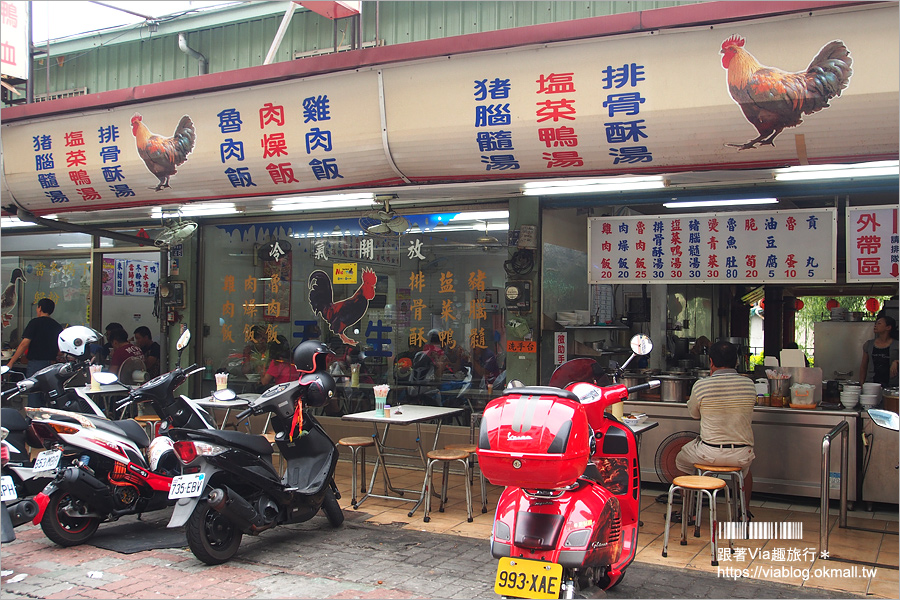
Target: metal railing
(842,428)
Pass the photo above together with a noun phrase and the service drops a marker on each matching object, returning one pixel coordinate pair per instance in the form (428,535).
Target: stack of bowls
(871,389)
(850,395)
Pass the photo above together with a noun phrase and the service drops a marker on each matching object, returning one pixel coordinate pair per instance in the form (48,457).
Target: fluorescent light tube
(300,203)
(739,202)
(884,168)
(487,215)
(585,186)
(202,209)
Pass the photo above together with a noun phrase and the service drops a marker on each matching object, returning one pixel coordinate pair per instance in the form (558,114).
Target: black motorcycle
(230,486)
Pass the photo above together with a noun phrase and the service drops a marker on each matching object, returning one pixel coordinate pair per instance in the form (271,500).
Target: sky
(55,19)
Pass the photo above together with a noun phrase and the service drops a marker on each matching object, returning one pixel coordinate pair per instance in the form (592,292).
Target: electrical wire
(521,263)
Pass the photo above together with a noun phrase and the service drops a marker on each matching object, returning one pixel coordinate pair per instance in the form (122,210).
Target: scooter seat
(13,419)
(542,390)
(257,444)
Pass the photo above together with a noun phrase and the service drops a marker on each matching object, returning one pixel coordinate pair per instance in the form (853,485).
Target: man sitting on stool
(724,404)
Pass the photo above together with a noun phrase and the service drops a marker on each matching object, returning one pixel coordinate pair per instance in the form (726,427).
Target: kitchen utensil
(675,388)
(803,394)
(632,379)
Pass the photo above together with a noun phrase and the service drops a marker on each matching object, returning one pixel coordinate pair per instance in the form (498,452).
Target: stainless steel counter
(788,445)
(880,479)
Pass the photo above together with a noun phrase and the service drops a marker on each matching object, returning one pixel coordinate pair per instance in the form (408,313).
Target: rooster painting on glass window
(342,314)
(772,99)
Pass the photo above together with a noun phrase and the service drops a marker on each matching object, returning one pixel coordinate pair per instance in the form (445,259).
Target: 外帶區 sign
(873,244)
(782,246)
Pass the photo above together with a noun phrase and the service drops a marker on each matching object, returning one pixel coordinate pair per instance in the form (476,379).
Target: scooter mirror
(104,378)
(885,418)
(224,395)
(641,344)
(183,340)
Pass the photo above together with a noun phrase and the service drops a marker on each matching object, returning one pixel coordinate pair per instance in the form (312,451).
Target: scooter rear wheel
(212,537)
(332,509)
(63,529)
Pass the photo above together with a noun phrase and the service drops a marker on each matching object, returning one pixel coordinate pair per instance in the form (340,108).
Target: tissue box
(534,437)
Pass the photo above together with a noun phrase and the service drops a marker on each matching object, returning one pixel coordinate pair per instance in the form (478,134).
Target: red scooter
(567,522)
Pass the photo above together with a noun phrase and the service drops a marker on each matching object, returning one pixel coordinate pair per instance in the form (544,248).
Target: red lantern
(798,304)
(762,305)
(872,305)
(832,304)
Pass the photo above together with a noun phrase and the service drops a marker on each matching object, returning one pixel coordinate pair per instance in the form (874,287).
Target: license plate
(8,489)
(46,461)
(187,486)
(528,578)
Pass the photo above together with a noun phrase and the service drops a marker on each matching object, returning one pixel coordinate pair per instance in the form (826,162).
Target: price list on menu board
(781,246)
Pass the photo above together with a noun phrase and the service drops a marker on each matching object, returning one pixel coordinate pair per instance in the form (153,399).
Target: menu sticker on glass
(344,273)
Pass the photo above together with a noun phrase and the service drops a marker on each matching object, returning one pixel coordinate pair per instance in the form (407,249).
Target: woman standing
(880,355)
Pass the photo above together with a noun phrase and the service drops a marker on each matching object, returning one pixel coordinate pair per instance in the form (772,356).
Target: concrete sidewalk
(312,560)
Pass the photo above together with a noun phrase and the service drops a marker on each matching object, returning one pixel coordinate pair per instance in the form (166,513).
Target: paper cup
(95,385)
(221,381)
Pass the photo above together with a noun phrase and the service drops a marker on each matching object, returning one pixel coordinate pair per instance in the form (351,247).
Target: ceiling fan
(175,229)
(384,222)
(486,240)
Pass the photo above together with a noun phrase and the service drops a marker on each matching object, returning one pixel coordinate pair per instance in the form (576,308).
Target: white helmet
(75,340)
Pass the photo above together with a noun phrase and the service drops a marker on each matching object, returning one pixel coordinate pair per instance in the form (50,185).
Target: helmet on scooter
(317,388)
(309,356)
(75,340)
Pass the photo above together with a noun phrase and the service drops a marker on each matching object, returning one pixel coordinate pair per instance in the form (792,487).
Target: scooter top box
(534,437)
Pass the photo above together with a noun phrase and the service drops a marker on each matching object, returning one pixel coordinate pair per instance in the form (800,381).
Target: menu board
(872,243)
(781,246)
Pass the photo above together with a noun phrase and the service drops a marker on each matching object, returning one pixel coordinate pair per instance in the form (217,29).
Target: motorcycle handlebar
(653,383)
(10,392)
(244,413)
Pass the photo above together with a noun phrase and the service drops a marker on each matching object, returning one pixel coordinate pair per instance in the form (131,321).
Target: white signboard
(872,243)
(781,246)
(560,340)
(14,39)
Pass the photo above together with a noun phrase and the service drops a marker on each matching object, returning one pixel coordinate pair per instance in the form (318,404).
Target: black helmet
(310,355)
(317,388)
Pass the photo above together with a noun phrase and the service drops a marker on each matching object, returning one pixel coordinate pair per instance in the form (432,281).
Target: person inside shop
(485,367)
(880,354)
(122,350)
(724,404)
(254,355)
(281,365)
(143,339)
(102,352)
(39,344)
(436,354)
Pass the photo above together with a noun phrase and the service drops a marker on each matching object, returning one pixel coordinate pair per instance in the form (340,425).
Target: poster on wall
(108,277)
(872,244)
(780,246)
(140,277)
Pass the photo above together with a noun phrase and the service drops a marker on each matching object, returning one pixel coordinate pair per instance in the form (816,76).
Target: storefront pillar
(773,326)
(526,366)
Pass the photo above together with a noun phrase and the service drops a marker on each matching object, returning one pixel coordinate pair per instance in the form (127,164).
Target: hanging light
(798,304)
(832,304)
(872,305)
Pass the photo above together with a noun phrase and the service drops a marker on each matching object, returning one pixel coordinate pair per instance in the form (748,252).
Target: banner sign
(872,244)
(623,104)
(781,246)
(560,342)
(14,57)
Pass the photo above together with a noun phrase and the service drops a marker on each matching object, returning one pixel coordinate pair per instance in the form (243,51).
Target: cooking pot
(675,388)
(632,379)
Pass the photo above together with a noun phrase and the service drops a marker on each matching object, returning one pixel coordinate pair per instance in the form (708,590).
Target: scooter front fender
(184,508)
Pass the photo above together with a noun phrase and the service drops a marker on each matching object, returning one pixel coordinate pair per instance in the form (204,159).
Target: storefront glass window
(422,307)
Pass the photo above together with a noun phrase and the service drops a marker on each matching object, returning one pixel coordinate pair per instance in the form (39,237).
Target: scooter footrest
(291,489)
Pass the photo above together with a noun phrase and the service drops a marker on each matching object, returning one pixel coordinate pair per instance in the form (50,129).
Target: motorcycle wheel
(212,537)
(332,509)
(63,529)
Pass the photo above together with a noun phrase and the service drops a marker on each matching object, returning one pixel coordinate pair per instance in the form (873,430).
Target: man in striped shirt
(724,404)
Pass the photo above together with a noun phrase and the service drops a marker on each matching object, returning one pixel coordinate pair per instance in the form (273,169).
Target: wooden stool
(357,444)
(446,456)
(737,499)
(148,422)
(706,485)
(473,458)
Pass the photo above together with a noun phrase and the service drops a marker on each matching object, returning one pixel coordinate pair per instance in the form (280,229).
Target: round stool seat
(716,468)
(698,482)
(467,447)
(356,441)
(147,419)
(448,454)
